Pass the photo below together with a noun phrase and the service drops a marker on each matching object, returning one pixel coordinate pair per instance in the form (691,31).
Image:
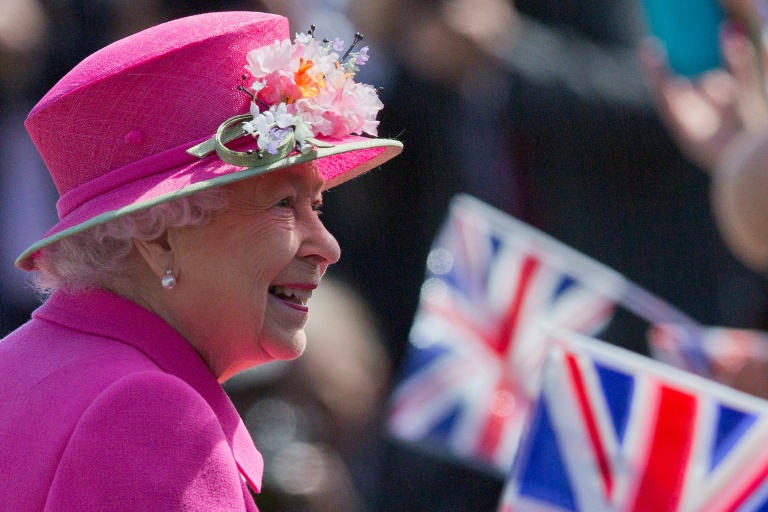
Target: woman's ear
(157,254)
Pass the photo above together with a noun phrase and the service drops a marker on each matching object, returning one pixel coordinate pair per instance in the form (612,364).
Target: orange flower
(309,85)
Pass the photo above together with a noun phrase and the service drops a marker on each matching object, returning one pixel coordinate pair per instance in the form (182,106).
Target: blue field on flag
(615,431)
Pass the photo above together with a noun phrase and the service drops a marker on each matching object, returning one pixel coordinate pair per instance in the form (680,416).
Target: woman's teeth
(296,295)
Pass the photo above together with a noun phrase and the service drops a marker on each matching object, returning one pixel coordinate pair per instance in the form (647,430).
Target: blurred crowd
(540,108)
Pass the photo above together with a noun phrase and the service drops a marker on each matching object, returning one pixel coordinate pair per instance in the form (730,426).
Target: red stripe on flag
(588,416)
(497,418)
(473,332)
(509,323)
(756,482)
(662,480)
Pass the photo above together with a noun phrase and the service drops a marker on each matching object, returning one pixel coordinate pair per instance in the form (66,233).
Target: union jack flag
(700,349)
(735,357)
(616,431)
(475,346)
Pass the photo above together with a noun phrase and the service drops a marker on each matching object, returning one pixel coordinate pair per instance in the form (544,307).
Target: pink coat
(104,407)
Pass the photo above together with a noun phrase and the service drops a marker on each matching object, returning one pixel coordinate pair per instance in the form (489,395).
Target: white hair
(90,258)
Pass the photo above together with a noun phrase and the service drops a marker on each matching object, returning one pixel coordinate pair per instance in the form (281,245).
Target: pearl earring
(168,281)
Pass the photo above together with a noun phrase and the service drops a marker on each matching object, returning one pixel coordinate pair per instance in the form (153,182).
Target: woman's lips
(295,296)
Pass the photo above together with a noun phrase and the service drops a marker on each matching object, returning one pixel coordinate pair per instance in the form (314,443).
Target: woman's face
(244,279)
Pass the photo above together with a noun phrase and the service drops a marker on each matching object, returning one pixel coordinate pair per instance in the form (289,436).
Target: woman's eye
(285,203)
(317,208)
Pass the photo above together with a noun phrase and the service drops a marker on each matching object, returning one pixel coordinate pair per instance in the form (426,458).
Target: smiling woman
(269,236)
(188,248)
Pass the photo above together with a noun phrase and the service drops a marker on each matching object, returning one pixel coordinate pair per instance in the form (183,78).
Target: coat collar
(108,315)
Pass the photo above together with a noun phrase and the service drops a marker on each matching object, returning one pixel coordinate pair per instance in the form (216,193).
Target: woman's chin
(285,349)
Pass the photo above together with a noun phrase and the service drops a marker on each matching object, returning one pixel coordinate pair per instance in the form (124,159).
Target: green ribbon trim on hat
(230,130)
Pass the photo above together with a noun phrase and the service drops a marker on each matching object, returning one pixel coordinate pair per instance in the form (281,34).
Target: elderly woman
(191,160)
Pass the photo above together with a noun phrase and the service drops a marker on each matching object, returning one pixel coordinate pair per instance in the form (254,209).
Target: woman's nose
(321,244)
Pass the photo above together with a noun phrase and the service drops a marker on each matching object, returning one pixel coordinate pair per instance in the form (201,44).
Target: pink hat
(144,120)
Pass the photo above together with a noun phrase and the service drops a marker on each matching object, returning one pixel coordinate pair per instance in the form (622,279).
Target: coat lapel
(107,315)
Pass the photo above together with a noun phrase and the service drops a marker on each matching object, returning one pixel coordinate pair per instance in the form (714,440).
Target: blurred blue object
(689,31)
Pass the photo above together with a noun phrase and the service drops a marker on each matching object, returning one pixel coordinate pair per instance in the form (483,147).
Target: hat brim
(338,163)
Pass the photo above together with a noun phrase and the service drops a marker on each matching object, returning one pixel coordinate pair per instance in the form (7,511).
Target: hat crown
(156,90)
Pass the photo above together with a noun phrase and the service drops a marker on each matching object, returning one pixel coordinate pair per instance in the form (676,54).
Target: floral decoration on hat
(303,106)
(299,90)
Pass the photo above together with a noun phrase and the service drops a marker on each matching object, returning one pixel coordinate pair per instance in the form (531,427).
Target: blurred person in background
(541,109)
(595,167)
(27,195)
(720,121)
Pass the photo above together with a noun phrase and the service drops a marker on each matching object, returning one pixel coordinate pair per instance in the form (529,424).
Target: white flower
(263,123)
(249,128)
(282,118)
(302,130)
(303,38)
(258,85)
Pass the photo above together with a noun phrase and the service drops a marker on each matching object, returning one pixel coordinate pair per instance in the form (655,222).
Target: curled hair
(88,259)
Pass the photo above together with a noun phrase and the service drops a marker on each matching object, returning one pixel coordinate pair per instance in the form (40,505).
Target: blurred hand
(743,372)
(22,24)
(486,23)
(738,193)
(740,9)
(23,34)
(446,43)
(436,52)
(704,115)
